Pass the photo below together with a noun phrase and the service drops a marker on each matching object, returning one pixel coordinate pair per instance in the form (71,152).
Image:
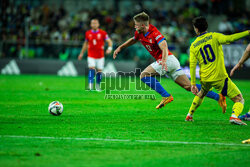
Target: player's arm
(243,59)
(110,46)
(192,66)
(226,39)
(164,48)
(126,44)
(84,48)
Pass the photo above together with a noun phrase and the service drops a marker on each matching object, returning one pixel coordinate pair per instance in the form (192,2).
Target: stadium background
(44,36)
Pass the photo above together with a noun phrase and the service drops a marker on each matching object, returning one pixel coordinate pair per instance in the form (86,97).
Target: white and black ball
(55,108)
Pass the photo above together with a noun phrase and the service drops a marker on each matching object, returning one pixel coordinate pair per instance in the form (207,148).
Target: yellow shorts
(226,87)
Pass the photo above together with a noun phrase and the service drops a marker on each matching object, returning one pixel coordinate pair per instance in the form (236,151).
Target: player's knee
(187,87)
(143,74)
(238,98)
(242,100)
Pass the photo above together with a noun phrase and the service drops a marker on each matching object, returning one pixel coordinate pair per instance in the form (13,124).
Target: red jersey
(151,41)
(96,41)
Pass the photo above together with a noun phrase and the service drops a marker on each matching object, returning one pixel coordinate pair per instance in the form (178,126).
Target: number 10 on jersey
(207,58)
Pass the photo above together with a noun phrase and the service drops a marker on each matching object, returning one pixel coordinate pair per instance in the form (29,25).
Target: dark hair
(141,17)
(200,23)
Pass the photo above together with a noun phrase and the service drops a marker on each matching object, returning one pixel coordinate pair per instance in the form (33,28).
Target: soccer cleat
(245,117)
(236,121)
(189,118)
(246,141)
(222,103)
(165,100)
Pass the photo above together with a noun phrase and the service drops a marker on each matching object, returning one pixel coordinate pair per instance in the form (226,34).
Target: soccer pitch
(93,131)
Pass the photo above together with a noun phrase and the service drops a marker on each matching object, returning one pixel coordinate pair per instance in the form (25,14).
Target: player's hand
(80,56)
(163,64)
(108,51)
(116,52)
(236,67)
(194,89)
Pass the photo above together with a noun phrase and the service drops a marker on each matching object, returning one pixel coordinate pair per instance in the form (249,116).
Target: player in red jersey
(166,62)
(94,41)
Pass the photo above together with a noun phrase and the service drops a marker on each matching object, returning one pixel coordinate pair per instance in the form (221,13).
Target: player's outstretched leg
(184,82)
(155,85)
(91,77)
(218,97)
(237,109)
(98,80)
(195,104)
(146,77)
(210,94)
(245,117)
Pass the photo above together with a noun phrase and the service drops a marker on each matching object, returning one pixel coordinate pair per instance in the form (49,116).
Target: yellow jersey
(207,50)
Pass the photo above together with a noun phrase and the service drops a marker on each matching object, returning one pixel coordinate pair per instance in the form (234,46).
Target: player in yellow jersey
(207,50)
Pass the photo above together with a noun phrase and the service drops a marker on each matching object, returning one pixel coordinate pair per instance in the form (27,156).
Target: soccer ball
(55,108)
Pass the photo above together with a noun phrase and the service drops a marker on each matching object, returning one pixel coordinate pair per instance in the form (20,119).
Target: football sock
(98,77)
(155,85)
(195,104)
(237,109)
(210,94)
(91,76)
(247,114)
(91,86)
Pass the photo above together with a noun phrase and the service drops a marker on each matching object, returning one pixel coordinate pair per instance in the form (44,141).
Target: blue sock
(98,77)
(210,94)
(154,84)
(91,75)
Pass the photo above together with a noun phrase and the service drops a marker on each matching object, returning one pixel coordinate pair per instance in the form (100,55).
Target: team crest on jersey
(99,36)
(150,40)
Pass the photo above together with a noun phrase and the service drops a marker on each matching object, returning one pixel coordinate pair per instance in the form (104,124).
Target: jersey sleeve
(158,36)
(86,36)
(226,39)
(192,66)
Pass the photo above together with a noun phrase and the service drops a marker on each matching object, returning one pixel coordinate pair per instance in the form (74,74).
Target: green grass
(24,112)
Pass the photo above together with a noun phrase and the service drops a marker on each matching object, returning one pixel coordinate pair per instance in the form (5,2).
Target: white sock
(190,115)
(91,86)
(97,86)
(234,116)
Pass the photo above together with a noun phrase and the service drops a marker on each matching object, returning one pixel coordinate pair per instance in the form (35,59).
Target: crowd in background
(56,24)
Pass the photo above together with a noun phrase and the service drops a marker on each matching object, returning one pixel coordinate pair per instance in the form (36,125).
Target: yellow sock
(195,104)
(237,109)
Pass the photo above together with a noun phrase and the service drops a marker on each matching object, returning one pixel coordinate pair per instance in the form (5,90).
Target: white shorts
(174,68)
(96,63)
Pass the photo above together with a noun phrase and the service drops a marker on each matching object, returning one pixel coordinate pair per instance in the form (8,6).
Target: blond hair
(141,17)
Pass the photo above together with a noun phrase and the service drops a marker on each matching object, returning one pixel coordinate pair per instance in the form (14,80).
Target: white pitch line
(124,140)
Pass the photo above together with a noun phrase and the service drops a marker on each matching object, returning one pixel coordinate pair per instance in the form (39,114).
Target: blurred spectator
(51,23)
(225,27)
